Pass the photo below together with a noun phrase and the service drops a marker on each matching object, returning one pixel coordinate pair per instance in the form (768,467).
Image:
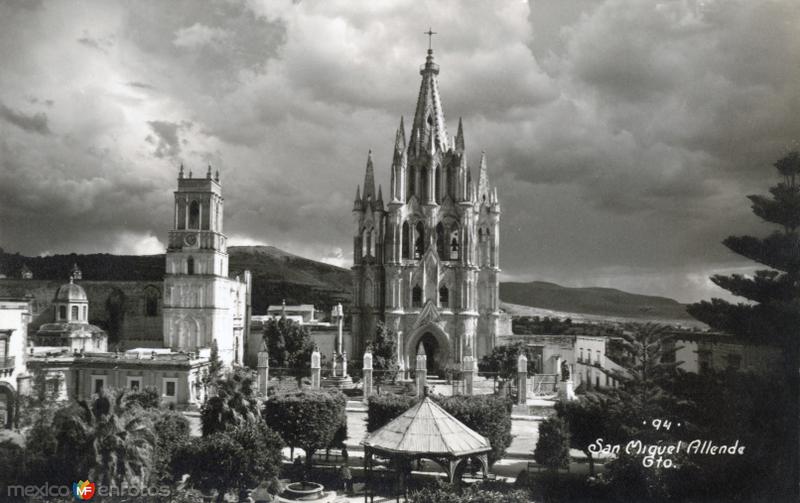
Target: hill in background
(278,275)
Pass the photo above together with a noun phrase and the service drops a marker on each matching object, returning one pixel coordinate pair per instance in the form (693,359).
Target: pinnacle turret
(400,137)
(369,179)
(459,147)
(483,181)
(429,121)
(357,201)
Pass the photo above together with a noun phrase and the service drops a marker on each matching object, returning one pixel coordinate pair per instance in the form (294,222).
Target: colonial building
(71,327)
(14,318)
(426,260)
(202,305)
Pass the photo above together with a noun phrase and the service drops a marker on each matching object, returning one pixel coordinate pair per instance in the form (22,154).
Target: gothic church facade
(426,260)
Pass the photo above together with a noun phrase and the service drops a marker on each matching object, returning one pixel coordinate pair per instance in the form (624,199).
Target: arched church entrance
(430,345)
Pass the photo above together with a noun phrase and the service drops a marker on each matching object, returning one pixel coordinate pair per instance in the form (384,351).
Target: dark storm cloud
(623,135)
(35,123)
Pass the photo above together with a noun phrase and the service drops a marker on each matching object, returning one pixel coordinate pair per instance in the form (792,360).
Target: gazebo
(425,431)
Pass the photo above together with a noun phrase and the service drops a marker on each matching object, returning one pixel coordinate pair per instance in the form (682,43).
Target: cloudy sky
(623,135)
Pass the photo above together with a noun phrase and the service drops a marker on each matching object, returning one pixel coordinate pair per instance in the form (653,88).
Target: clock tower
(201,303)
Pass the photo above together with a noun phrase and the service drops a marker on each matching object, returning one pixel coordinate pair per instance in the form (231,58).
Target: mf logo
(83,490)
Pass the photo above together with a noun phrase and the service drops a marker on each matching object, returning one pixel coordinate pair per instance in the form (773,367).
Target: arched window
(85,313)
(454,245)
(441,242)
(151,302)
(444,297)
(194,215)
(62,312)
(416,296)
(412,181)
(404,240)
(419,243)
(190,265)
(74,313)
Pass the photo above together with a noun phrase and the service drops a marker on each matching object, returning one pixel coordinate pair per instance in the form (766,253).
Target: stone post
(421,373)
(315,369)
(468,369)
(522,380)
(367,374)
(344,364)
(263,370)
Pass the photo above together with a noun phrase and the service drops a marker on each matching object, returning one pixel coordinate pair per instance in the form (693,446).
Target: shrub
(381,409)
(448,494)
(488,415)
(552,449)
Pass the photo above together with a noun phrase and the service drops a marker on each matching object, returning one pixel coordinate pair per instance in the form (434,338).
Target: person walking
(347,479)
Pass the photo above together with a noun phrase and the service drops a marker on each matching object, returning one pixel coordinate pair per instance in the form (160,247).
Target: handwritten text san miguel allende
(658,455)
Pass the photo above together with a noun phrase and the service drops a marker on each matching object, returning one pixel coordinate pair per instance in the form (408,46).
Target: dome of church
(71,292)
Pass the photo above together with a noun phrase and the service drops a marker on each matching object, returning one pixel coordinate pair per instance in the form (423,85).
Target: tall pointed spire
(369,179)
(429,116)
(460,137)
(400,137)
(357,200)
(483,181)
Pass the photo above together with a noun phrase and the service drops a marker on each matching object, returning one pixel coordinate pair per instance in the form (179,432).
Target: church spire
(369,179)
(400,137)
(460,137)
(429,117)
(357,200)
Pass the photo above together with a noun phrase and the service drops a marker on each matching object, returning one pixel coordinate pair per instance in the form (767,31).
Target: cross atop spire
(430,33)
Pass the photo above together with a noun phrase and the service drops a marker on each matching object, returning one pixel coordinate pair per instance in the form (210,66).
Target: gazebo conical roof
(427,429)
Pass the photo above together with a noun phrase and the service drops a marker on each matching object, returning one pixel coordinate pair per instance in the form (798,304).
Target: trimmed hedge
(311,420)
(488,415)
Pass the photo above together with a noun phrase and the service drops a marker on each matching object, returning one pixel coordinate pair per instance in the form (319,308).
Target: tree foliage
(773,315)
(237,458)
(552,449)
(308,419)
(503,360)
(587,420)
(288,343)
(234,403)
(381,409)
(384,353)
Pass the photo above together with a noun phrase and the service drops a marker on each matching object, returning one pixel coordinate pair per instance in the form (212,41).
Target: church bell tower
(198,295)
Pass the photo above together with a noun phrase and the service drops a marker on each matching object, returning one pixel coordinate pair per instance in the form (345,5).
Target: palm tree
(234,404)
(122,441)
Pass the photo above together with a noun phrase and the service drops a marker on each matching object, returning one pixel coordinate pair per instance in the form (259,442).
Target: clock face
(190,239)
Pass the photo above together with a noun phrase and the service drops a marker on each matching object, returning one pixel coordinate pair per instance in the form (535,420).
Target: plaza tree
(307,419)
(552,449)
(770,313)
(238,458)
(587,420)
(289,344)
(234,403)
(384,353)
(502,361)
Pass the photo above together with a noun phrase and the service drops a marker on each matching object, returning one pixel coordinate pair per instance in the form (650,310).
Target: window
(62,312)
(134,383)
(170,389)
(416,296)
(437,184)
(74,316)
(194,215)
(53,387)
(405,240)
(423,183)
(580,358)
(589,355)
(441,242)
(98,384)
(419,243)
(597,381)
(598,357)
(85,313)
(412,181)
(444,297)
(190,265)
